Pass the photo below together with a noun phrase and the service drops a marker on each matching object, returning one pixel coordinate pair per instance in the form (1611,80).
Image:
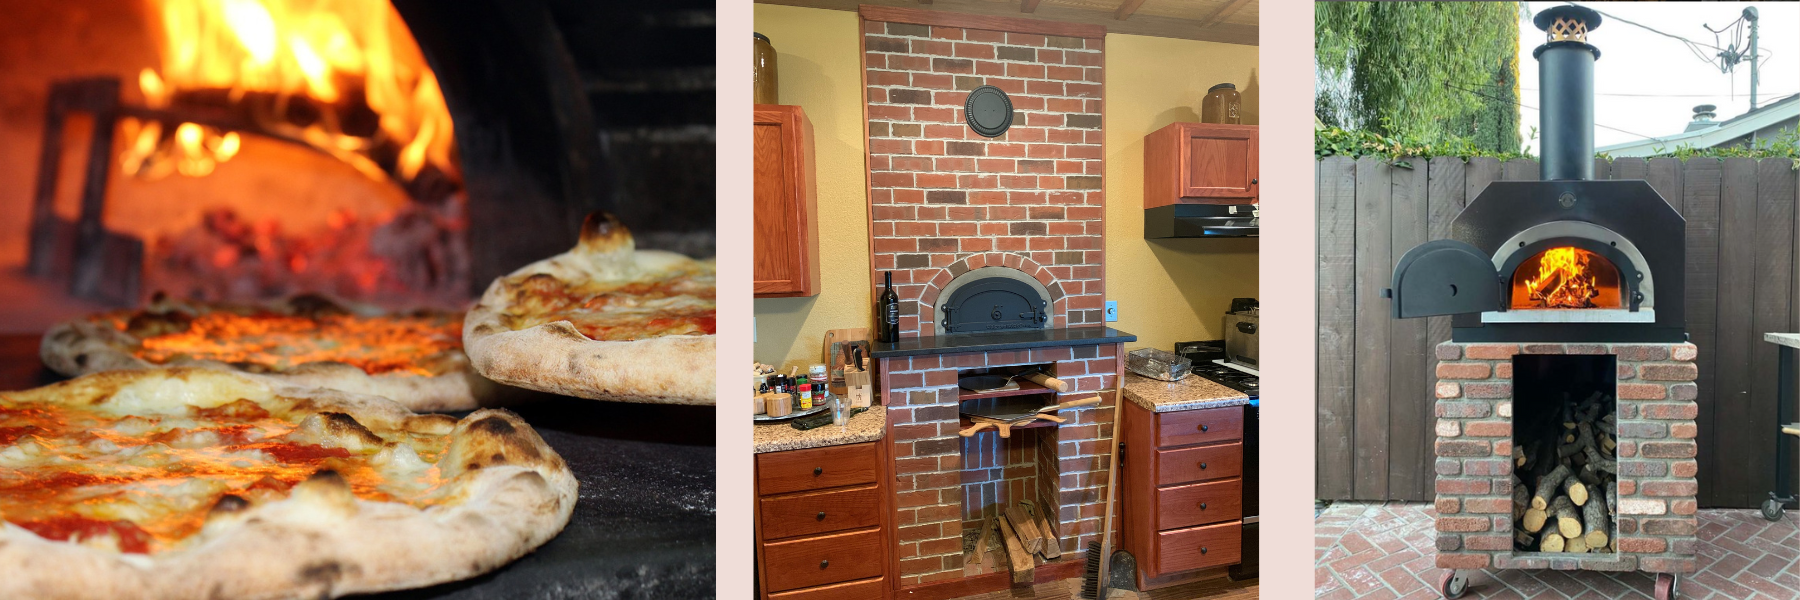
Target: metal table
(1784,495)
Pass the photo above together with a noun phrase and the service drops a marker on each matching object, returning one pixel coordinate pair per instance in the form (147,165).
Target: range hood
(1200,221)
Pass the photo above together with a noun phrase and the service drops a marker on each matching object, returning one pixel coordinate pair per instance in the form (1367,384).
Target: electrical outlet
(1112,311)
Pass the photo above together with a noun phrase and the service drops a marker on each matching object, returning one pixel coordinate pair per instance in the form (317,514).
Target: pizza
(603,321)
(415,358)
(197,482)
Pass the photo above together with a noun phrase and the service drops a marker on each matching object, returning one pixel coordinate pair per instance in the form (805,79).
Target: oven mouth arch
(1638,285)
(945,297)
(1635,304)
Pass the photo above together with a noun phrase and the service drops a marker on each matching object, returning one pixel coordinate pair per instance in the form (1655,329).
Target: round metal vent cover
(988,111)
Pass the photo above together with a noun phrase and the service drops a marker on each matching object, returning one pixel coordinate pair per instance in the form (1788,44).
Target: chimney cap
(1547,17)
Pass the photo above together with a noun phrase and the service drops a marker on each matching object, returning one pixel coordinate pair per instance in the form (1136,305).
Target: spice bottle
(806,399)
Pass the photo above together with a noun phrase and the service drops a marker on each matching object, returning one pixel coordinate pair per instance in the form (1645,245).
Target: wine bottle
(887,313)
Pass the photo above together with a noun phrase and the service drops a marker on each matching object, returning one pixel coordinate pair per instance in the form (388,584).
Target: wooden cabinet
(786,204)
(821,527)
(1200,163)
(1182,490)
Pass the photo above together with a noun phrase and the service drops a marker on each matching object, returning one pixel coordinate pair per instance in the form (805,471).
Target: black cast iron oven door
(1457,276)
(995,304)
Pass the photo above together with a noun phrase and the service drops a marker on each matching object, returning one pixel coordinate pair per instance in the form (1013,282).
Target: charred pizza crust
(557,357)
(95,344)
(508,492)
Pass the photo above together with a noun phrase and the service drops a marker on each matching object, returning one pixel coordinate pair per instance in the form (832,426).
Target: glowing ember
(343,76)
(412,344)
(1564,280)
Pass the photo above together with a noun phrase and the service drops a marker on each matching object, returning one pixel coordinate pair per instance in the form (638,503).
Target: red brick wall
(929,461)
(946,200)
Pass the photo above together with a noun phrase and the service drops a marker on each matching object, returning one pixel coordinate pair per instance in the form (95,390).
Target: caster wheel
(1667,586)
(1453,585)
(1771,510)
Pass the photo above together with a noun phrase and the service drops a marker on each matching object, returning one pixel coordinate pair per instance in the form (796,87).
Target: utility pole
(1750,15)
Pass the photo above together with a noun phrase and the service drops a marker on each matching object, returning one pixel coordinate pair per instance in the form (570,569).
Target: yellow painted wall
(820,66)
(1168,290)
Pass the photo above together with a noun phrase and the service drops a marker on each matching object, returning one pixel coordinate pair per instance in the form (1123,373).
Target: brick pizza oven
(995,243)
(1565,400)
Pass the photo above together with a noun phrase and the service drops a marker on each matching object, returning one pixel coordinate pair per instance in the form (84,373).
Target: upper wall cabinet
(1200,163)
(787,228)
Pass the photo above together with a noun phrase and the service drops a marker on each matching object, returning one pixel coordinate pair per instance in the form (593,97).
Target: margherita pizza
(604,321)
(203,483)
(414,358)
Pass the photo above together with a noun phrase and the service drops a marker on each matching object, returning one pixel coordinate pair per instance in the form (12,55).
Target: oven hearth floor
(1372,551)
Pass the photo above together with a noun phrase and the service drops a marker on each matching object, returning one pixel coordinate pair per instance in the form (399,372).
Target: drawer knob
(1203,427)
(1202,507)
(818,471)
(1253,182)
(1203,466)
(821,515)
(1203,549)
(827,563)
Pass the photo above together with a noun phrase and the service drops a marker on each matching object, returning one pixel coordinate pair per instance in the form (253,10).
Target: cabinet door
(787,242)
(1219,162)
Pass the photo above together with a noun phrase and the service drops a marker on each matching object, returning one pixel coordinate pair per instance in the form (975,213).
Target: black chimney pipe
(1566,92)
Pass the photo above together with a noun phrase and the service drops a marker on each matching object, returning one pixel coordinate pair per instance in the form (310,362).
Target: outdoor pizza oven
(1567,258)
(402,154)
(1565,398)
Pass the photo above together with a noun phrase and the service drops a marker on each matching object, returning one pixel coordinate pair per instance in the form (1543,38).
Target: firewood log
(1548,485)
(1518,457)
(1026,528)
(1568,522)
(1023,567)
(1612,502)
(1577,490)
(1521,497)
(1593,519)
(1551,542)
(1602,463)
(1522,538)
(1575,545)
(1534,519)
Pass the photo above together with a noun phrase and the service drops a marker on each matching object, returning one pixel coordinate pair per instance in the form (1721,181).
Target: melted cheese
(673,298)
(144,482)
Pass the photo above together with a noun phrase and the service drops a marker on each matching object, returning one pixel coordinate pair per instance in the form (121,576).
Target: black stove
(1228,377)
(1208,358)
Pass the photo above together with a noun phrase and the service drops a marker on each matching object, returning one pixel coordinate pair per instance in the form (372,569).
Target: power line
(1524,105)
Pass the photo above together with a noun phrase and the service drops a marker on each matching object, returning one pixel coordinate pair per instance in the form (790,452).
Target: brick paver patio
(1378,551)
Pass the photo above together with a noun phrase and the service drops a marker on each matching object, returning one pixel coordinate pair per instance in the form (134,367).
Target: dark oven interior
(403,155)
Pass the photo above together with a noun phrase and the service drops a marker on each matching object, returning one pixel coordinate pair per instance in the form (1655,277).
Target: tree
(1426,71)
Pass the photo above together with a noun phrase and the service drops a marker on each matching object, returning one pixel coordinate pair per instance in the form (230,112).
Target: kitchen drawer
(1199,504)
(855,590)
(820,560)
(820,512)
(814,469)
(1206,426)
(1199,547)
(1199,464)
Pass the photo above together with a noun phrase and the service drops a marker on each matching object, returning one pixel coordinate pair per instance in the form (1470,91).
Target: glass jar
(1220,105)
(765,79)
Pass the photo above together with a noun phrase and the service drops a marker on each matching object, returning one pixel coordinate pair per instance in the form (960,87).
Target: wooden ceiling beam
(1128,7)
(1026,6)
(1230,8)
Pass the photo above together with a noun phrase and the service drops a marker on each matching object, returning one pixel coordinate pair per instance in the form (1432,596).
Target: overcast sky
(1659,78)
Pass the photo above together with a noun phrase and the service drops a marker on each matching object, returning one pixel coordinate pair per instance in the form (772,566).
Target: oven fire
(1566,278)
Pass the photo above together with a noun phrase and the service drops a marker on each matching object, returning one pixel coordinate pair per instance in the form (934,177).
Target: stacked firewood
(1018,540)
(1565,475)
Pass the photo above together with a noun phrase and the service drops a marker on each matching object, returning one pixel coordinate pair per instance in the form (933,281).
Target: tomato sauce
(132,539)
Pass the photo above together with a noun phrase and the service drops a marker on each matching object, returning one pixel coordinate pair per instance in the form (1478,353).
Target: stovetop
(1228,377)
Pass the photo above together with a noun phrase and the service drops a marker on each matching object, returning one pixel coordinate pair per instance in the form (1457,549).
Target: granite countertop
(1191,393)
(864,427)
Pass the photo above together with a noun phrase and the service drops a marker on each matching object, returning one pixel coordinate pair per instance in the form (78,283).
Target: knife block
(859,388)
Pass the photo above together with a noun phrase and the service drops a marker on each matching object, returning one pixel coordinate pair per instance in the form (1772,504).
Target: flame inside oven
(342,76)
(1566,278)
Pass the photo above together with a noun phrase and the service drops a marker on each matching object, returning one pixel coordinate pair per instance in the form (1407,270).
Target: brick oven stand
(1655,526)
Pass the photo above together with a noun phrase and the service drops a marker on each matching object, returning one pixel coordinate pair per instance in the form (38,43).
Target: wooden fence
(1375,373)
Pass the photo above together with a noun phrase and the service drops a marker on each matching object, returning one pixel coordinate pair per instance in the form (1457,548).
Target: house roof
(1731,129)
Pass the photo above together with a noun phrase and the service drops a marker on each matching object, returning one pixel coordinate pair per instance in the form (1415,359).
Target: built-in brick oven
(1565,399)
(1006,232)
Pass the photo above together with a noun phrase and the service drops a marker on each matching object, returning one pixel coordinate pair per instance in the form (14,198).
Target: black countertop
(643,521)
(1000,340)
